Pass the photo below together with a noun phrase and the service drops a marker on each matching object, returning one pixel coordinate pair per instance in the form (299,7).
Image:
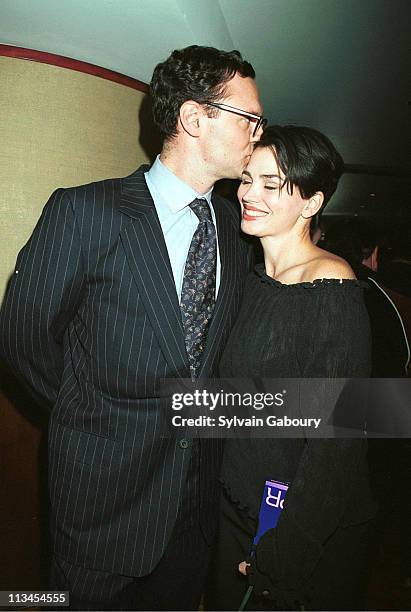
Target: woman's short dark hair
(307,158)
(194,73)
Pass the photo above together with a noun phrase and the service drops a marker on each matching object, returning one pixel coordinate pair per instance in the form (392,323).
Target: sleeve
(339,346)
(42,296)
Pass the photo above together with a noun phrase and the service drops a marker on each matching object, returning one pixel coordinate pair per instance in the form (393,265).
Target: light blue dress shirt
(172,198)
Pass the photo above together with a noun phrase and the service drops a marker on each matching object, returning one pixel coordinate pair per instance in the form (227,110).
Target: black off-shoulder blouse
(304,330)
(316,330)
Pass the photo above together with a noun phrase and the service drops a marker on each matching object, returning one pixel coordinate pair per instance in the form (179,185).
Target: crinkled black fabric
(307,330)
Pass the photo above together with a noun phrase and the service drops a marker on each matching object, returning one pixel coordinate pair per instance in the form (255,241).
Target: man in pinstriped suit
(91,322)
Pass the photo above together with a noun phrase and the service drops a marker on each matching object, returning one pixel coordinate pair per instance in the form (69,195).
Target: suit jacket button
(183,443)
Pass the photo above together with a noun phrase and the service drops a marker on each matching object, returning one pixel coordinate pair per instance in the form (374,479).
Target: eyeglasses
(259,120)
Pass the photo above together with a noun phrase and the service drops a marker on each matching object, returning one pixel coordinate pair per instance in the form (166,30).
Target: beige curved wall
(58,128)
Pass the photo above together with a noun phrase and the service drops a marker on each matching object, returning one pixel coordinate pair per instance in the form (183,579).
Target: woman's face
(267,210)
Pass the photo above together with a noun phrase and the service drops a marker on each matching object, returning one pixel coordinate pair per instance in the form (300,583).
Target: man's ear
(190,113)
(313,205)
(374,259)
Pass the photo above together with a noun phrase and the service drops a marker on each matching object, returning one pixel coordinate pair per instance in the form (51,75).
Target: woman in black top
(302,316)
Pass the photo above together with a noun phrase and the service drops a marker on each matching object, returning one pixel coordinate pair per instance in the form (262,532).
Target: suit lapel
(147,255)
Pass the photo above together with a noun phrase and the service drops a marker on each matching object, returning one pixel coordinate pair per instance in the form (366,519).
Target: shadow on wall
(151,140)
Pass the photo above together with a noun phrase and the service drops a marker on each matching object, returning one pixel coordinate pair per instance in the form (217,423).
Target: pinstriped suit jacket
(91,321)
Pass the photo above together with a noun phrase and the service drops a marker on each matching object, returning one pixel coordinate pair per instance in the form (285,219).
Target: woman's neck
(287,253)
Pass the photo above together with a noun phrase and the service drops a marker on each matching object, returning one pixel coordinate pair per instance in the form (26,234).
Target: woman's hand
(242,567)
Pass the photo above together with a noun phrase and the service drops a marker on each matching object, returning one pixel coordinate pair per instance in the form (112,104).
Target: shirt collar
(175,192)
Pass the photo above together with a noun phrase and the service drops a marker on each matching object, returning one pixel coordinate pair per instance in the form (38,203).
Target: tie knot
(202,210)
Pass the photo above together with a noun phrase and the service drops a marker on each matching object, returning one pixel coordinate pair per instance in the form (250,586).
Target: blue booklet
(272,504)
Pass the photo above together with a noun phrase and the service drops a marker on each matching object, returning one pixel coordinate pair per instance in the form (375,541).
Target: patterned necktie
(198,292)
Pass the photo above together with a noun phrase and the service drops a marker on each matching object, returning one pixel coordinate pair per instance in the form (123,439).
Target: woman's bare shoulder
(328,265)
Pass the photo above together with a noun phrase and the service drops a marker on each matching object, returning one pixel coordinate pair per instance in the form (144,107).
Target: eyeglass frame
(261,121)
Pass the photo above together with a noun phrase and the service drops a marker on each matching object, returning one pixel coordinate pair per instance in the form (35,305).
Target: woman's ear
(313,205)
(190,117)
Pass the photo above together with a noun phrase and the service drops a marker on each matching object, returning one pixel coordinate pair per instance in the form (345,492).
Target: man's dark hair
(194,73)
(307,158)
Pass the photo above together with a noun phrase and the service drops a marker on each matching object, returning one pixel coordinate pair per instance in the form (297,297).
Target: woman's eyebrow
(268,176)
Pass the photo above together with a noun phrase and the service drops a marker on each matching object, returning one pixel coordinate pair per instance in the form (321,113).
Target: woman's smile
(251,213)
